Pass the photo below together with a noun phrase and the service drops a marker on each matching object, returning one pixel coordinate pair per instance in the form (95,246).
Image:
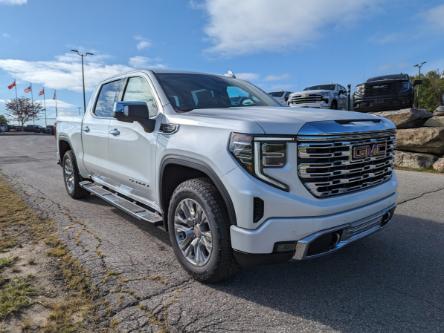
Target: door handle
(86,129)
(114,132)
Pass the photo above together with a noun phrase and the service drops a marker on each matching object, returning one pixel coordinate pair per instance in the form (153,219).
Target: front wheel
(199,231)
(72,177)
(334,105)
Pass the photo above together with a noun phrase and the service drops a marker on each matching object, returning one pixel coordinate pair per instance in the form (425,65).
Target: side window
(138,89)
(109,94)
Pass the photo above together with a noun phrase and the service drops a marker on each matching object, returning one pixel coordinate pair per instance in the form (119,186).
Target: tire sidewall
(213,221)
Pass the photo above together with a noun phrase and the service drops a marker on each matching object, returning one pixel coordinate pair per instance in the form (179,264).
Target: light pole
(83,55)
(419,78)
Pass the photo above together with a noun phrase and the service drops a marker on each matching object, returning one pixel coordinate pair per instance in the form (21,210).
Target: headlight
(405,85)
(255,154)
(325,94)
(360,88)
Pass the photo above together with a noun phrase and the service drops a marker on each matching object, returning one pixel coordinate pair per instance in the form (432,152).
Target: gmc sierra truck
(231,175)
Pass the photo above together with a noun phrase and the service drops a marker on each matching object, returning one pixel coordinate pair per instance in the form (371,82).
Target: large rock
(421,140)
(439,165)
(435,121)
(414,160)
(406,118)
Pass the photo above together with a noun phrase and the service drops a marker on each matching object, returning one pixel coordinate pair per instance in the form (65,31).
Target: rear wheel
(72,177)
(199,231)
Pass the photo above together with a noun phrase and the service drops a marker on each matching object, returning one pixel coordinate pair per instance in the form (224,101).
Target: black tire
(334,105)
(74,190)
(221,264)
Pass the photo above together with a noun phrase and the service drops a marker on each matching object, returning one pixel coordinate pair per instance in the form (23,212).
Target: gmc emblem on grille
(371,150)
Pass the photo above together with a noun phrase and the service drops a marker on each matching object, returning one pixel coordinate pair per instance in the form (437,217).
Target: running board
(128,206)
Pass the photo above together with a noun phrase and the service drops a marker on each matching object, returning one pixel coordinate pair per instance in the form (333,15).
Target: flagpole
(32,103)
(44,105)
(15,86)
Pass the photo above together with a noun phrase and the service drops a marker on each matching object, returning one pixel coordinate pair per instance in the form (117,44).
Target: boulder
(406,118)
(439,165)
(435,121)
(413,160)
(428,140)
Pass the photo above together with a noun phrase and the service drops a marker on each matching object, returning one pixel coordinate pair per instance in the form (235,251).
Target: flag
(55,95)
(12,85)
(42,92)
(28,89)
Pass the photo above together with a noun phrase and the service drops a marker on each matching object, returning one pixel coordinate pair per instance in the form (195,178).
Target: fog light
(285,247)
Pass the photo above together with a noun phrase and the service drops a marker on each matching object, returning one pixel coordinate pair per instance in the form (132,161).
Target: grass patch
(15,295)
(6,262)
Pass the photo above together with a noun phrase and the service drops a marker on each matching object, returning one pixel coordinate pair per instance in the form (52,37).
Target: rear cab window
(109,94)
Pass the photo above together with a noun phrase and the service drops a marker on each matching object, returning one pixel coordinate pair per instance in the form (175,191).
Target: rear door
(132,151)
(95,130)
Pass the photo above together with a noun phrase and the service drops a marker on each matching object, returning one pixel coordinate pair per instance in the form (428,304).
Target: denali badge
(371,150)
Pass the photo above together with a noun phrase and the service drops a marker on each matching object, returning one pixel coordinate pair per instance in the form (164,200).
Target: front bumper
(305,232)
(383,103)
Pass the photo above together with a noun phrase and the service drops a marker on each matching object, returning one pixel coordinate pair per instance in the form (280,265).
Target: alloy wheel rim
(68,171)
(193,232)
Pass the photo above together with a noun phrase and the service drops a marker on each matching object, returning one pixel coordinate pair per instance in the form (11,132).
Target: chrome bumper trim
(349,233)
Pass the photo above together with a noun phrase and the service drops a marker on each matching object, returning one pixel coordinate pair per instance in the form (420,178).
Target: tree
(23,110)
(3,120)
(431,90)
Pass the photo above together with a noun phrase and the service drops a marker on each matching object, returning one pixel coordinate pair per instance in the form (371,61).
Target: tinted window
(197,91)
(138,89)
(109,94)
(276,94)
(322,87)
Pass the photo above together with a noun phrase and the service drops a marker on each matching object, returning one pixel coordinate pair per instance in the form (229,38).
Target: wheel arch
(63,146)
(177,169)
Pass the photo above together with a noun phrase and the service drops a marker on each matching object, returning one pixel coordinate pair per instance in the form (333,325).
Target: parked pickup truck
(324,96)
(233,177)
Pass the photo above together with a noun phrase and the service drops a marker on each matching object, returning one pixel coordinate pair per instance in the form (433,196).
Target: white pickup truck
(324,96)
(234,178)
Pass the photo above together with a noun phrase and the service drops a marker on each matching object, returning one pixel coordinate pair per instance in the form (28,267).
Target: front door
(132,151)
(95,130)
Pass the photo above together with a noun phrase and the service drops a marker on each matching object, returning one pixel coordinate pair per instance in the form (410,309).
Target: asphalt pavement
(391,281)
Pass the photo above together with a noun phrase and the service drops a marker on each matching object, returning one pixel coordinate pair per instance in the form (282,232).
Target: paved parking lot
(392,281)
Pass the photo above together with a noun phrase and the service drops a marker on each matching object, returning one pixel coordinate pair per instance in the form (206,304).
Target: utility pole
(82,56)
(419,66)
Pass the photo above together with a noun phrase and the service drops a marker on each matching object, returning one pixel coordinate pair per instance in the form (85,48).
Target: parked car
(4,128)
(324,96)
(382,93)
(233,177)
(281,96)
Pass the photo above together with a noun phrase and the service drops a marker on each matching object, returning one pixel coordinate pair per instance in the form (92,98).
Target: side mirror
(417,82)
(130,112)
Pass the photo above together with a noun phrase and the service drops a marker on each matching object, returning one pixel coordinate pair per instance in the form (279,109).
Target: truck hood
(277,120)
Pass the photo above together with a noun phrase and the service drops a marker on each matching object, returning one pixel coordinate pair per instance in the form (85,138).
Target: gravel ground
(392,281)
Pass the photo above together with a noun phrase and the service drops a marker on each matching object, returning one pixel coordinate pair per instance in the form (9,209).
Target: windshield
(187,92)
(276,94)
(322,87)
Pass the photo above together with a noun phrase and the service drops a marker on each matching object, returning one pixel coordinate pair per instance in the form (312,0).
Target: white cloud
(247,26)
(64,72)
(247,76)
(145,62)
(50,103)
(142,42)
(5,35)
(277,77)
(13,2)
(435,16)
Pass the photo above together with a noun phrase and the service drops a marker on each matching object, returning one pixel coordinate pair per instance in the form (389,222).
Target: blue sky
(276,44)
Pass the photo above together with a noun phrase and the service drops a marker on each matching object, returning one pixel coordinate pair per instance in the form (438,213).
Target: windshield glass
(187,92)
(276,94)
(322,87)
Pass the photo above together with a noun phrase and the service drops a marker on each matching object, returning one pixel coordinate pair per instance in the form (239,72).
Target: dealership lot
(391,281)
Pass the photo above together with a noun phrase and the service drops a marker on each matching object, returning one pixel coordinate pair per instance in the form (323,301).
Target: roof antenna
(229,73)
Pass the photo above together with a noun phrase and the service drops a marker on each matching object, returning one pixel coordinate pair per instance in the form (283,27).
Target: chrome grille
(327,167)
(310,98)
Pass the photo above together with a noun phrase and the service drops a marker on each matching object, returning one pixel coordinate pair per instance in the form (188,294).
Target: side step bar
(122,203)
